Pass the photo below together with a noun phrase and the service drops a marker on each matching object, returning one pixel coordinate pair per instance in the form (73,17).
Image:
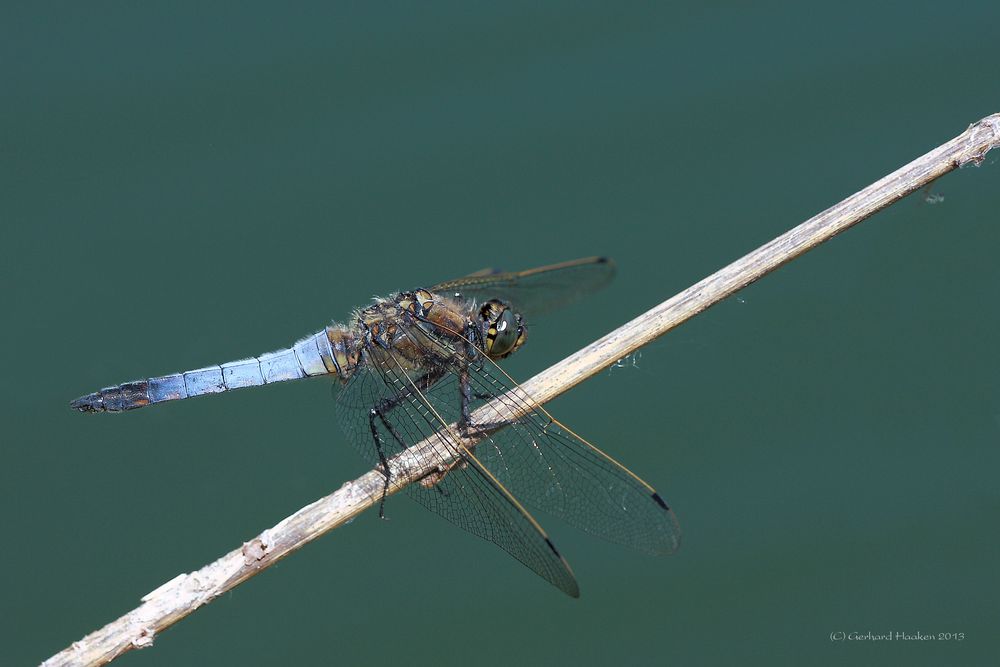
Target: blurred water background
(186,184)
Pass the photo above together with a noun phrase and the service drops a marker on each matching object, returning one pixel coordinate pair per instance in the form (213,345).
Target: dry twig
(182,595)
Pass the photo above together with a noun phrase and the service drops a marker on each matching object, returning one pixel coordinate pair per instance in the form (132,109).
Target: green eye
(507,332)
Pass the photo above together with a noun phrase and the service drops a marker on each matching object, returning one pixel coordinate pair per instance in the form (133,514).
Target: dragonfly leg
(383,462)
(466,393)
(465,388)
(465,425)
(380,411)
(430,480)
(488,428)
(466,397)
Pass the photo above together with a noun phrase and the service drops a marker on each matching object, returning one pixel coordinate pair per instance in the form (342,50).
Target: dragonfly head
(501,328)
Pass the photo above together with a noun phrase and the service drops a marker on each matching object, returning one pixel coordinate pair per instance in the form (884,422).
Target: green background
(185,185)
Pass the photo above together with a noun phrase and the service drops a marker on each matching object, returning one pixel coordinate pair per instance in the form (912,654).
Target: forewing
(552,469)
(547,466)
(465,494)
(538,290)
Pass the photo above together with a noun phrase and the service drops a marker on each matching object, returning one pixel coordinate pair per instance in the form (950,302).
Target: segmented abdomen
(327,352)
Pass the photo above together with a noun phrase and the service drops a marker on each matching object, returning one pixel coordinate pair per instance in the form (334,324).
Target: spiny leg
(383,461)
(466,395)
(465,386)
(436,476)
(381,410)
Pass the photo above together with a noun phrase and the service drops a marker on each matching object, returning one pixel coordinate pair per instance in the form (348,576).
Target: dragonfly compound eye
(505,333)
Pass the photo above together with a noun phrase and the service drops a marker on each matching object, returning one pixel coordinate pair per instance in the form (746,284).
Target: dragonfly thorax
(493,327)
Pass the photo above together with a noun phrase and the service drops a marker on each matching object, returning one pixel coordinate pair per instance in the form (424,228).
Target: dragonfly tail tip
(89,403)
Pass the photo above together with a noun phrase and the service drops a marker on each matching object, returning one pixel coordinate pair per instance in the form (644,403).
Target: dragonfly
(416,366)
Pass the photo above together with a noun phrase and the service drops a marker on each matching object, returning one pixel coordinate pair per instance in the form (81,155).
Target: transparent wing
(538,290)
(464,492)
(538,460)
(550,468)
(546,465)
